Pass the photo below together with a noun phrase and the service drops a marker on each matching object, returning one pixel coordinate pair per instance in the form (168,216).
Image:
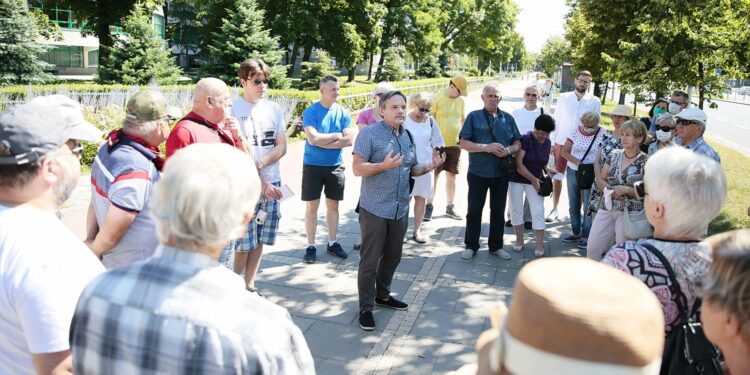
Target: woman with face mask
(665,133)
(659,107)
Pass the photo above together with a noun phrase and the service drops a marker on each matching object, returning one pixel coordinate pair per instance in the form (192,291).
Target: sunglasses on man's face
(531,95)
(424,110)
(664,128)
(258,82)
(685,122)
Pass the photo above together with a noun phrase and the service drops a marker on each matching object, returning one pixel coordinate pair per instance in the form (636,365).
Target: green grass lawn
(736,167)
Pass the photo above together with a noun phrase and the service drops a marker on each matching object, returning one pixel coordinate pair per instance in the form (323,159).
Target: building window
(65,56)
(62,17)
(94,57)
(158,22)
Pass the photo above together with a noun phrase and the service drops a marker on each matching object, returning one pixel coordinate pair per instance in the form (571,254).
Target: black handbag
(687,351)
(585,173)
(545,186)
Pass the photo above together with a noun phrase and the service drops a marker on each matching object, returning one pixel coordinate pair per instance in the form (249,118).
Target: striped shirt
(181,312)
(123,177)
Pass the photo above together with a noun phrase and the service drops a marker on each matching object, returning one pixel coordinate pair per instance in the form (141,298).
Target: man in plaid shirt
(181,311)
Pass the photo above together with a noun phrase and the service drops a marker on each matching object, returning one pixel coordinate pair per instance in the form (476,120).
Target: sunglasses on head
(424,110)
(664,128)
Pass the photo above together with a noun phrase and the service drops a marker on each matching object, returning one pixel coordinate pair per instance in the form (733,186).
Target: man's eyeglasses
(686,122)
(424,110)
(583,81)
(258,82)
(531,95)
(664,128)
(678,103)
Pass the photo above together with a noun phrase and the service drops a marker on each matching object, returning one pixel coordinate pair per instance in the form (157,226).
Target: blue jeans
(577,218)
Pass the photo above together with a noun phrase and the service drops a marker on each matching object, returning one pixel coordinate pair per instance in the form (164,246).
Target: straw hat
(622,110)
(575,316)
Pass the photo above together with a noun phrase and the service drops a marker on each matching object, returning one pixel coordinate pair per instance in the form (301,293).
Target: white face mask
(674,108)
(663,136)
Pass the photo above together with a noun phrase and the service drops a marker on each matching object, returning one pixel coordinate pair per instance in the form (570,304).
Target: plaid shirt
(700,146)
(182,312)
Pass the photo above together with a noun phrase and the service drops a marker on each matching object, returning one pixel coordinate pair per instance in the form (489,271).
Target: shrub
(312,72)
(430,68)
(392,69)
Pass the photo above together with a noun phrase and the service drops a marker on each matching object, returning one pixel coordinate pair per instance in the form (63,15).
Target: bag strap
(678,296)
(541,108)
(490,123)
(591,144)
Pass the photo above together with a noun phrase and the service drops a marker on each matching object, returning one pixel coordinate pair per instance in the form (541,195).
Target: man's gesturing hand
(391,161)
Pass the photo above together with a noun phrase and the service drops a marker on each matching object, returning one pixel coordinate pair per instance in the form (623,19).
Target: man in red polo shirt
(209,121)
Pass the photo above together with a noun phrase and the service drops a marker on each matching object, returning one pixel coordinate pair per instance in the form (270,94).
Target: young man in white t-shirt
(43,265)
(262,127)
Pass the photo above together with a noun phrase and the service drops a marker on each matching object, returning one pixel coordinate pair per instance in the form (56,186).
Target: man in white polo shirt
(570,106)
(43,266)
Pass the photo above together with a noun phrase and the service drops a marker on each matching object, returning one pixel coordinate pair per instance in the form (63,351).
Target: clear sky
(540,19)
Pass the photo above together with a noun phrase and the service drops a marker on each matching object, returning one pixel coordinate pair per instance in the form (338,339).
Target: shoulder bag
(636,225)
(585,172)
(687,351)
(507,163)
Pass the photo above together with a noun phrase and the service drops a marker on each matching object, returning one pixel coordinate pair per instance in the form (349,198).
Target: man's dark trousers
(382,242)
(478,186)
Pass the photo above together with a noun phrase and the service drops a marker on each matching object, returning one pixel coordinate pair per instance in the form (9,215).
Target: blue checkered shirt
(700,146)
(181,312)
(386,194)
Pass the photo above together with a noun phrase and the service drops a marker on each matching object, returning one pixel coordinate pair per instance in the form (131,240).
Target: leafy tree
(430,68)
(97,16)
(139,56)
(19,52)
(491,44)
(312,72)
(297,25)
(422,37)
(242,36)
(392,70)
(554,52)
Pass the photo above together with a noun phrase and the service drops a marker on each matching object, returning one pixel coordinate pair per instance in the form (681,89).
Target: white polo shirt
(568,113)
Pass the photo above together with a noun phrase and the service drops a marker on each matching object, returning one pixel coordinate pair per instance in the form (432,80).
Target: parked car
(744,90)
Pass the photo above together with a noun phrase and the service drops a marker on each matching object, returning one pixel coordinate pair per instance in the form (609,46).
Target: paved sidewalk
(449,298)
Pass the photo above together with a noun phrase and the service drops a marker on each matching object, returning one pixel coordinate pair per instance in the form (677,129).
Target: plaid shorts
(264,233)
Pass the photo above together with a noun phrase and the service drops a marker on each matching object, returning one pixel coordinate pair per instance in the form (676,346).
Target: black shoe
(391,303)
(254,290)
(337,251)
(366,321)
(357,246)
(527,225)
(427,212)
(310,254)
(508,224)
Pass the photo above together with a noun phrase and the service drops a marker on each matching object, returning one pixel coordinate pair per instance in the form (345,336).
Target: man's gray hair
(692,188)
(140,128)
(326,79)
(493,84)
(204,195)
(682,94)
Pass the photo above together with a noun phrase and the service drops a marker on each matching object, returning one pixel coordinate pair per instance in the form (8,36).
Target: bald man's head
(212,100)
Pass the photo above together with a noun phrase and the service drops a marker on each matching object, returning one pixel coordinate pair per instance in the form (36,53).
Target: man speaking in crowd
(385,156)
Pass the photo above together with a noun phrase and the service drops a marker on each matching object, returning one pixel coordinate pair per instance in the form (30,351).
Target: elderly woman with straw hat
(611,142)
(682,192)
(726,298)
(569,328)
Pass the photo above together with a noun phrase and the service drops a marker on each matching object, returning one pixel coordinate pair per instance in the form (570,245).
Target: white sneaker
(467,254)
(502,254)
(552,216)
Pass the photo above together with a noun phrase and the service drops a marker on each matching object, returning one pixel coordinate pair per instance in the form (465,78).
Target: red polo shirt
(193,128)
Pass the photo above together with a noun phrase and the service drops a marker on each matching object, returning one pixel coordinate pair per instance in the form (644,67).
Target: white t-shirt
(581,143)
(260,123)
(525,119)
(44,268)
(568,111)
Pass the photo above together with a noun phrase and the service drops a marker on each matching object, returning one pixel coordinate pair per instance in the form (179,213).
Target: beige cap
(461,84)
(622,110)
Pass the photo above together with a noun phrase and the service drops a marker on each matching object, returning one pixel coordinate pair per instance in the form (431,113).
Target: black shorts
(316,177)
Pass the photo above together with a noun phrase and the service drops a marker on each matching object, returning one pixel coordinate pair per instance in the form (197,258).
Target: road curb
(729,101)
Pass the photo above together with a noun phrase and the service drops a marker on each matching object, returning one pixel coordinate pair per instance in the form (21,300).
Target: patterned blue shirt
(701,147)
(477,129)
(182,312)
(386,194)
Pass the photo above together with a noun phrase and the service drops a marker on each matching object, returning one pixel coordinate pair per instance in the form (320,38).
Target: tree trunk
(105,42)
(604,94)
(597,89)
(352,72)
(614,85)
(308,52)
(381,61)
(416,65)
(702,87)
(622,96)
(369,69)
(295,53)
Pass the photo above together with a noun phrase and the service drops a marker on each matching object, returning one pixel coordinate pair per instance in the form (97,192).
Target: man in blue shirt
(385,156)
(489,135)
(327,129)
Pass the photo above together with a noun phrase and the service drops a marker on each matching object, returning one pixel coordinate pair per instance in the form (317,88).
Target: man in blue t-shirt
(327,129)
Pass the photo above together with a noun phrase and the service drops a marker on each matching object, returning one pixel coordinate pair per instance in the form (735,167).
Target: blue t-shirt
(326,121)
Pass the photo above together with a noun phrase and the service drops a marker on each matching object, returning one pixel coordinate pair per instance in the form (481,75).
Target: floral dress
(609,144)
(627,176)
